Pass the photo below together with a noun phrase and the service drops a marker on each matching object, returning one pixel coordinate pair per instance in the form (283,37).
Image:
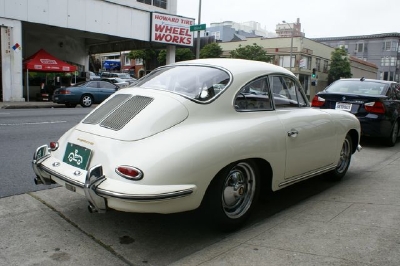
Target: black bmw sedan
(376,104)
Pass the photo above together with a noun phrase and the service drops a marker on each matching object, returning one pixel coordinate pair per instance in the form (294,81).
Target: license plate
(77,156)
(41,152)
(343,106)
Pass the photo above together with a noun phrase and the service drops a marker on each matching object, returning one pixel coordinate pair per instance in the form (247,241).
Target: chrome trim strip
(307,175)
(170,195)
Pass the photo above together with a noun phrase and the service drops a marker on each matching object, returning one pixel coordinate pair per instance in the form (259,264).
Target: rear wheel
(232,195)
(344,160)
(86,101)
(392,139)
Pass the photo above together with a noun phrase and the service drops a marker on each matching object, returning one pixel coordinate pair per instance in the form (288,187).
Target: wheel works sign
(171,29)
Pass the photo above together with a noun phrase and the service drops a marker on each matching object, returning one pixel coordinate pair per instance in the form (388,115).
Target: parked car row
(210,133)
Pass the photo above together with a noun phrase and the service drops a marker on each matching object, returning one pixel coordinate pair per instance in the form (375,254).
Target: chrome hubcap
(238,190)
(344,156)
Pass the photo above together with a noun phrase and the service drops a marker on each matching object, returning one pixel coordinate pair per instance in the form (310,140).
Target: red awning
(42,61)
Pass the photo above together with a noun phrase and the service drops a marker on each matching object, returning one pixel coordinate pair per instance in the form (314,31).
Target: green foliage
(340,65)
(251,52)
(211,50)
(181,54)
(144,54)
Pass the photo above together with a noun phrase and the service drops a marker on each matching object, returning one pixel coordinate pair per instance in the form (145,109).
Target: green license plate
(77,156)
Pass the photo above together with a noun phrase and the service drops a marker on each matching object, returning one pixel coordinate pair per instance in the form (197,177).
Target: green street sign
(198,27)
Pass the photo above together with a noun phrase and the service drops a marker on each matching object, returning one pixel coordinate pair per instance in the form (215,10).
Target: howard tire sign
(170,29)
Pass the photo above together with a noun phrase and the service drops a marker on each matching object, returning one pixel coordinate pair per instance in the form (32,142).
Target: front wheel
(344,160)
(232,195)
(86,101)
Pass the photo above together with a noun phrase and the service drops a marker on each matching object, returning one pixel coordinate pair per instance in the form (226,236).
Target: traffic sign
(198,27)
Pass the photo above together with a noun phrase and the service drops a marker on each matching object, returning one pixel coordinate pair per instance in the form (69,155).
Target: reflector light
(64,92)
(53,145)
(374,107)
(317,101)
(129,172)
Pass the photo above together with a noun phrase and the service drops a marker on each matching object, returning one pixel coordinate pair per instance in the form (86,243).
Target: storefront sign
(171,29)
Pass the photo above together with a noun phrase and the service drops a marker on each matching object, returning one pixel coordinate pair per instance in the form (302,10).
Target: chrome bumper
(94,177)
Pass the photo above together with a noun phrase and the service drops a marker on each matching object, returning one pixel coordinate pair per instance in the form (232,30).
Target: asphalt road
(21,132)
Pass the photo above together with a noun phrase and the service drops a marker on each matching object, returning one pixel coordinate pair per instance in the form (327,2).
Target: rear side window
(254,96)
(286,92)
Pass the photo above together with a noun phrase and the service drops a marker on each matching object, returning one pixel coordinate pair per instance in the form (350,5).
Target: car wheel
(392,139)
(70,105)
(232,195)
(86,101)
(344,160)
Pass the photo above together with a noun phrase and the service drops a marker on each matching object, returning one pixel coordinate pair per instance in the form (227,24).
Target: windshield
(199,83)
(358,87)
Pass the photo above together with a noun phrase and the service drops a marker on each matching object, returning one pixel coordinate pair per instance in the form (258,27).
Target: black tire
(232,195)
(70,105)
(392,139)
(344,161)
(86,100)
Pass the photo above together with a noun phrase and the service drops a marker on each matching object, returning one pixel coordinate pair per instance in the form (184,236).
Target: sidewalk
(355,222)
(28,105)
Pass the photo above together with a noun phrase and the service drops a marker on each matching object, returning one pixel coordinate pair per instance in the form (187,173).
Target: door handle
(292,133)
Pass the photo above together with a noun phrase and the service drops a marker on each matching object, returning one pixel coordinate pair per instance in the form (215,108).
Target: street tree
(144,54)
(340,65)
(251,52)
(181,54)
(211,50)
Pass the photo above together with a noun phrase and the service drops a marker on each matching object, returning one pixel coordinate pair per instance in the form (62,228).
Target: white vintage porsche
(211,132)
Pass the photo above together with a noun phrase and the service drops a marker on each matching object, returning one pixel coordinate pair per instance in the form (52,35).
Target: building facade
(73,30)
(306,56)
(379,49)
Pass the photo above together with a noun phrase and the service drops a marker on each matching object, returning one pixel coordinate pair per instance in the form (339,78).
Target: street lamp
(198,34)
(291,44)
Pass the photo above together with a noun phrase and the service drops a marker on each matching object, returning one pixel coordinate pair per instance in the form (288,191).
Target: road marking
(34,123)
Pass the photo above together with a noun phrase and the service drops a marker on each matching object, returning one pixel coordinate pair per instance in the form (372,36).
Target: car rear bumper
(101,191)
(375,127)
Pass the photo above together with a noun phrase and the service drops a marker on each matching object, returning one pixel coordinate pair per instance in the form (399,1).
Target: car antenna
(362,79)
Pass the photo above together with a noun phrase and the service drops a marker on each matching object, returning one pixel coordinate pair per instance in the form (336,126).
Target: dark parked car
(376,104)
(85,93)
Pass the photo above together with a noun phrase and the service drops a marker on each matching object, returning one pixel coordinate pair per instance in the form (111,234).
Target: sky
(318,18)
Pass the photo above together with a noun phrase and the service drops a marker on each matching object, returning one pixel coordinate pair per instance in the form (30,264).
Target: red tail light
(317,101)
(53,145)
(374,107)
(129,172)
(64,92)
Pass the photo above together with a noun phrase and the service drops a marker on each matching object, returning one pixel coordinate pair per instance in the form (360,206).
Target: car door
(106,89)
(310,133)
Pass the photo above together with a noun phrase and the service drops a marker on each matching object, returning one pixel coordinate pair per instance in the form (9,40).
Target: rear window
(358,87)
(198,83)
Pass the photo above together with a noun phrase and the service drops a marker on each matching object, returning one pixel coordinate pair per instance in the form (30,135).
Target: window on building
(387,46)
(160,3)
(325,70)
(157,3)
(284,61)
(305,62)
(138,61)
(127,61)
(360,47)
(318,64)
(217,35)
